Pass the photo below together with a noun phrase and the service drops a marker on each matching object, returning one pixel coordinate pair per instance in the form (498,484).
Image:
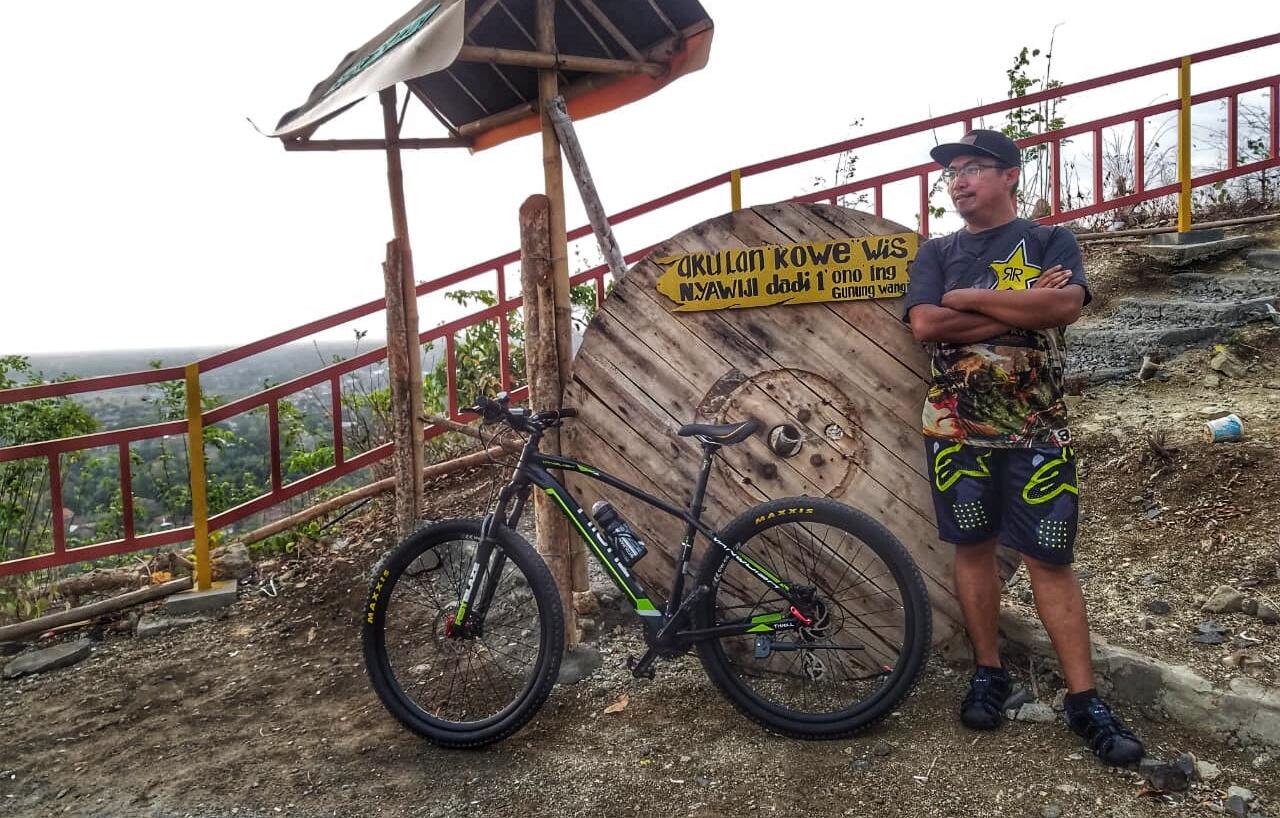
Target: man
(991,301)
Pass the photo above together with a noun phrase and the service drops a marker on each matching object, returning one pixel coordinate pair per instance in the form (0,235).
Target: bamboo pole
(541,359)
(21,630)
(567,62)
(401,385)
(355,495)
(1151,231)
(553,173)
(568,136)
(406,284)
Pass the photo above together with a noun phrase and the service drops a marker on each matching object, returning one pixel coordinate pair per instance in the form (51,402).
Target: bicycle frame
(534,470)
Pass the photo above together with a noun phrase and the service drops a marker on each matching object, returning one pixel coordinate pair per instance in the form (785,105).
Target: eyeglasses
(971,169)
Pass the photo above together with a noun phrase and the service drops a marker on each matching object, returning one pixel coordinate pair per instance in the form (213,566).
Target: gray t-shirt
(1005,391)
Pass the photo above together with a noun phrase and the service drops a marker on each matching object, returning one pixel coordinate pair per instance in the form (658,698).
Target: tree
(1037,174)
(25,508)
(476,352)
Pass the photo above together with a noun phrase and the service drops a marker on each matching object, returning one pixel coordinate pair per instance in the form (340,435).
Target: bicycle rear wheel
(468,684)
(870,631)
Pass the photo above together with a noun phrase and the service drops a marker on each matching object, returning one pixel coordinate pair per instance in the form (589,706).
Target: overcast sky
(139,208)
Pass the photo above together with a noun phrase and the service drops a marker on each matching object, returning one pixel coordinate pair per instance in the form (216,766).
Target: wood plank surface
(847,378)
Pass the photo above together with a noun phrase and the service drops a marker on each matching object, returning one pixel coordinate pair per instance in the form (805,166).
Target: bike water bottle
(629,546)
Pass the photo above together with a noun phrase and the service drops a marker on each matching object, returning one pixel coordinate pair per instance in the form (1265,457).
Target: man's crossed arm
(975,314)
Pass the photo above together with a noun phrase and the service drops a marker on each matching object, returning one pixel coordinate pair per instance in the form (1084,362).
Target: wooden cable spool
(837,386)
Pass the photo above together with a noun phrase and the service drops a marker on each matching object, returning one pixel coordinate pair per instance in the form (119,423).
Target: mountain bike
(807,614)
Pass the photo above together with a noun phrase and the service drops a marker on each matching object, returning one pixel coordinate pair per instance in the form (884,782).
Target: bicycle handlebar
(494,410)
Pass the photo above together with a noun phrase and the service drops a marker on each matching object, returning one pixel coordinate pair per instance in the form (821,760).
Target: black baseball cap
(983,142)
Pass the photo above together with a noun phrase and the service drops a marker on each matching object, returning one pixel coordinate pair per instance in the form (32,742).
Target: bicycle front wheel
(870,619)
(462,681)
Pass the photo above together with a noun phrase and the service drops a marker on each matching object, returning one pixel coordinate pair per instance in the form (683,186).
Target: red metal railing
(331,376)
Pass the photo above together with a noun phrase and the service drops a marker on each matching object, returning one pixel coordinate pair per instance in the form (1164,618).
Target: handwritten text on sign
(840,270)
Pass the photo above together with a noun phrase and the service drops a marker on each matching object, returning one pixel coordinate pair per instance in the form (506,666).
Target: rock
(1268,614)
(1036,712)
(1224,599)
(1245,795)
(10,648)
(1227,364)
(1051,811)
(579,663)
(1163,777)
(608,600)
(1272,385)
(231,561)
(585,603)
(1263,761)
(1158,607)
(1060,700)
(1212,381)
(1235,806)
(1210,633)
(1017,698)
(861,764)
(1207,771)
(1152,578)
(882,749)
(157,623)
(39,661)
(1250,606)
(1153,512)
(1187,764)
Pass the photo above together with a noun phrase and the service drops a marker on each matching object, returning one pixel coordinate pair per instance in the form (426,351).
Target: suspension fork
(486,568)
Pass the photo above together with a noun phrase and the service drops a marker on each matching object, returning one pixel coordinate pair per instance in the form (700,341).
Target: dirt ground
(266,711)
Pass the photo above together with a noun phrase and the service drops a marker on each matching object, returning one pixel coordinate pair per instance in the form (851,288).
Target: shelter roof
(474,63)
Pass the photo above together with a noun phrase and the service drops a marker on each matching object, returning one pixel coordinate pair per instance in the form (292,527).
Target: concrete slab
(1180,253)
(221,595)
(1190,237)
(1248,710)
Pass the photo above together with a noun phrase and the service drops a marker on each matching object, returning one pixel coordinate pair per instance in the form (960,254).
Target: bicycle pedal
(642,668)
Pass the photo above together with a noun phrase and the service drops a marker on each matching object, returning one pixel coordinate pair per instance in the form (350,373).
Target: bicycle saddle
(724,434)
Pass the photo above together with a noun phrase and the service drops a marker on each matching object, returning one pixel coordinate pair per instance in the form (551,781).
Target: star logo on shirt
(1015,272)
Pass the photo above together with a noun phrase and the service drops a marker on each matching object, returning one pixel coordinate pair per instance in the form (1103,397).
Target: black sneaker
(983,708)
(1105,734)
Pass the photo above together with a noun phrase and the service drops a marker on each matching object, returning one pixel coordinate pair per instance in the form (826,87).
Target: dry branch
(21,630)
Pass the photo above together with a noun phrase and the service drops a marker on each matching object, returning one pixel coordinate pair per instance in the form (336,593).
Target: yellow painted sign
(840,270)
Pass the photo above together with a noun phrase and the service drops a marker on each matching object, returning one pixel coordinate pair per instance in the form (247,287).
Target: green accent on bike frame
(462,611)
(763,622)
(563,465)
(775,580)
(647,605)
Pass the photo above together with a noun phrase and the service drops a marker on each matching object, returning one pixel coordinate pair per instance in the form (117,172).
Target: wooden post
(587,188)
(398,374)
(543,363)
(553,173)
(407,331)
